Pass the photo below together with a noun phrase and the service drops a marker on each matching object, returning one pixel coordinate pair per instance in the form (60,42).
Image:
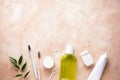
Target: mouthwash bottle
(68,65)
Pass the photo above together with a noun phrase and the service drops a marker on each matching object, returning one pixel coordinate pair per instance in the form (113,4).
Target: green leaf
(23,67)
(18,75)
(16,66)
(13,60)
(26,74)
(20,59)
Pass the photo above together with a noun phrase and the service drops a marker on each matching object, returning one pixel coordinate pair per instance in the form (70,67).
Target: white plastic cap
(69,49)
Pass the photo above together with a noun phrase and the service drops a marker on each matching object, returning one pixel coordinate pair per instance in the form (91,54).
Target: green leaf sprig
(18,65)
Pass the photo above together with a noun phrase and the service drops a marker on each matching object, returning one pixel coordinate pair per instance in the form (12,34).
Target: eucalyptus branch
(18,64)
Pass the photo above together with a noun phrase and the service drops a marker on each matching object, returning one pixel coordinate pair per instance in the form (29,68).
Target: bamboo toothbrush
(38,69)
(33,63)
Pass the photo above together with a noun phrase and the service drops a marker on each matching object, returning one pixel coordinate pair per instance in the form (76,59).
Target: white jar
(48,62)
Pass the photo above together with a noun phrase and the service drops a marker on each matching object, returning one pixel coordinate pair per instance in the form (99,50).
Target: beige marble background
(47,24)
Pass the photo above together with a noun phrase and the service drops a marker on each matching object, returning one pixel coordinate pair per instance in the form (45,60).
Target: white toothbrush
(33,63)
(38,69)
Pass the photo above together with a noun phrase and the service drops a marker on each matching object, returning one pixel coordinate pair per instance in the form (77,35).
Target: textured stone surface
(46,24)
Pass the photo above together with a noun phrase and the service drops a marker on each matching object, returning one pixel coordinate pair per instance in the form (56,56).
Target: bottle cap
(69,49)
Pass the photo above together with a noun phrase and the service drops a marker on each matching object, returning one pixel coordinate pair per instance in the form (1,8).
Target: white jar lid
(48,62)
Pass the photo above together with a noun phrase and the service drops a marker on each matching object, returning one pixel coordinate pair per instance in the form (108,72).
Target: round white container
(48,62)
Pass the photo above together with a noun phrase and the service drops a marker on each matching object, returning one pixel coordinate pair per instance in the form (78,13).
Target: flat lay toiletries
(38,68)
(68,65)
(86,58)
(99,68)
(33,63)
(48,62)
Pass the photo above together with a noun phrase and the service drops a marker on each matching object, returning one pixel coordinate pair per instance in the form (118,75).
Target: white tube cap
(69,49)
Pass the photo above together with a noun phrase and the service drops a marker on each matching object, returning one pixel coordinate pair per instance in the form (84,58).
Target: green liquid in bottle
(68,67)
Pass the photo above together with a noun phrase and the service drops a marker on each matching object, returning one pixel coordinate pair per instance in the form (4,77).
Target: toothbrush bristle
(29,48)
(38,54)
